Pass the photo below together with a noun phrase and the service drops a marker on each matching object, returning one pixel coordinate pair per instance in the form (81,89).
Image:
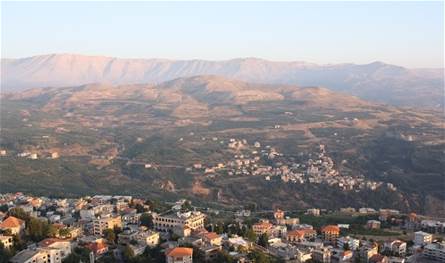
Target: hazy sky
(404,33)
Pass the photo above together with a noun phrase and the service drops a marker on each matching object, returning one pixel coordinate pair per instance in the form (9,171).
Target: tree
(223,257)
(263,240)
(250,235)
(146,220)
(219,228)
(5,254)
(79,254)
(259,257)
(346,246)
(39,229)
(109,235)
(4,208)
(128,253)
(140,208)
(187,206)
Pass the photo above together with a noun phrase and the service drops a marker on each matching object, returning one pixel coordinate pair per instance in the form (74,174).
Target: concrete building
(422,238)
(100,224)
(350,242)
(330,233)
(435,251)
(179,222)
(64,246)
(395,247)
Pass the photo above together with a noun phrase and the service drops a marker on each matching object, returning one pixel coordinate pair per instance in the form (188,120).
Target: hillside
(376,81)
(218,140)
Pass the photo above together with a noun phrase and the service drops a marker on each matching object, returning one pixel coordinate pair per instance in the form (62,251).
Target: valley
(216,140)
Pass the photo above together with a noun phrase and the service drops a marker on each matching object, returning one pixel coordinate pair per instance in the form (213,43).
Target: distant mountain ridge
(375,81)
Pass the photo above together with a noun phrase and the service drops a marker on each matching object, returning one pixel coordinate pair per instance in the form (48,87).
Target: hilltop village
(129,229)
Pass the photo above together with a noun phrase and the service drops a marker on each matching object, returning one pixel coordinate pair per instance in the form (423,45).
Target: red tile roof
(330,228)
(180,252)
(49,241)
(11,222)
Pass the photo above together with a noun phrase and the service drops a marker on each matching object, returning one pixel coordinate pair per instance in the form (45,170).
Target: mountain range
(376,81)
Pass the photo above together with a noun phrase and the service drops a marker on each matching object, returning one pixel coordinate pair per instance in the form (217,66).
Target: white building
(422,238)
(179,223)
(352,243)
(435,251)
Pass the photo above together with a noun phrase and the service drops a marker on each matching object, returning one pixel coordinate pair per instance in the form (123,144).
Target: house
(373,224)
(212,238)
(281,250)
(97,246)
(367,251)
(395,247)
(64,246)
(330,233)
(7,241)
(28,256)
(47,255)
(149,238)
(210,252)
(13,224)
(179,255)
(341,256)
(278,214)
(322,255)
(313,212)
(421,238)
(300,235)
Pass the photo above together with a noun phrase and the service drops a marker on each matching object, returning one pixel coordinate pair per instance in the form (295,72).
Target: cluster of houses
(180,231)
(254,159)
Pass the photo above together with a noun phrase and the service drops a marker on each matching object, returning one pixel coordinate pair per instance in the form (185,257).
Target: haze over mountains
(375,81)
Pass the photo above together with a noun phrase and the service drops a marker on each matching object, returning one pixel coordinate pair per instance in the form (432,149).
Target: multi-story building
(350,242)
(435,251)
(263,227)
(395,247)
(367,251)
(110,222)
(321,255)
(373,224)
(330,232)
(300,235)
(179,222)
(422,238)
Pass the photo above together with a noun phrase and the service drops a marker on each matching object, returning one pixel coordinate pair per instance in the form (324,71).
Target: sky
(409,34)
